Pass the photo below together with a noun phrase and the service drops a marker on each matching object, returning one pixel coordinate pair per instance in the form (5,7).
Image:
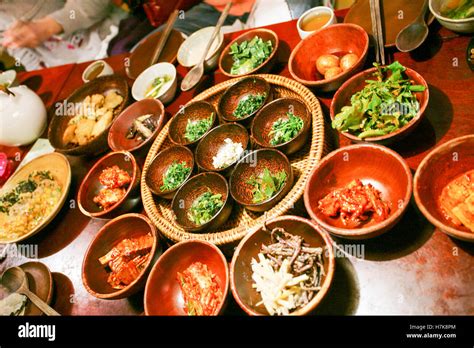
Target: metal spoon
(194,75)
(15,280)
(414,34)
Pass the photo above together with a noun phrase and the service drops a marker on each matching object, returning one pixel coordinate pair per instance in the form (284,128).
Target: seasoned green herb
(266,185)
(197,128)
(283,130)
(458,9)
(249,55)
(383,106)
(249,104)
(205,207)
(175,175)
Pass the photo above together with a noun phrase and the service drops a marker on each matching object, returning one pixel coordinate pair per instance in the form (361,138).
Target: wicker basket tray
(242,221)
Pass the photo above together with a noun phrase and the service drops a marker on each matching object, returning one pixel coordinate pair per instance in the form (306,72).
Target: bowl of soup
(314,19)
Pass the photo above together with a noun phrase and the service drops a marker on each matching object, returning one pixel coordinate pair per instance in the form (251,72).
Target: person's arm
(81,14)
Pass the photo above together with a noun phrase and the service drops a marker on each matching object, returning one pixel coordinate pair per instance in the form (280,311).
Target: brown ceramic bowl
(141,57)
(386,170)
(117,138)
(163,295)
(160,164)
(226,61)
(337,39)
(355,84)
(191,190)
(251,85)
(241,272)
(253,165)
(211,143)
(198,110)
(94,275)
(263,122)
(60,115)
(91,186)
(444,164)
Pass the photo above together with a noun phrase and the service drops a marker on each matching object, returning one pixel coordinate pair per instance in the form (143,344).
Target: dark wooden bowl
(117,135)
(439,168)
(91,186)
(141,57)
(356,83)
(59,120)
(210,144)
(163,295)
(337,39)
(241,272)
(94,275)
(191,190)
(263,122)
(253,164)
(160,164)
(229,101)
(198,110)
(386,170)
(226,61)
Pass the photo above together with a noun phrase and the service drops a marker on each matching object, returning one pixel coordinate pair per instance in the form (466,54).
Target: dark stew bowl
(60,118)
(211,143)
(263,122)
(160,164)
(91,186)
(253,165)
(192,190)
(194,111)
(241,90)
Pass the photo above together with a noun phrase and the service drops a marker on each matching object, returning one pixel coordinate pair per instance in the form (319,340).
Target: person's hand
(30,34)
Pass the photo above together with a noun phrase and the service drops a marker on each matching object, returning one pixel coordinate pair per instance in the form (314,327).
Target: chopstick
(164,36)
(377,30)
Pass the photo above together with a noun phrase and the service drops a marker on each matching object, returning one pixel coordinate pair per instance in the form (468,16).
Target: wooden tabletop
(413,269)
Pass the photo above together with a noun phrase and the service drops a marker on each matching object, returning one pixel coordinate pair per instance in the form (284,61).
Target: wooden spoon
(194,75)
(15,280)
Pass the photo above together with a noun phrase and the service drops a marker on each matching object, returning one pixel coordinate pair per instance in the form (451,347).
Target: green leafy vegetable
(249,55)
(175,175)
(283,130)
(197,128)
(383,106)
(249,104)
(205,207)
(266,185)
(155,87)
(458,9)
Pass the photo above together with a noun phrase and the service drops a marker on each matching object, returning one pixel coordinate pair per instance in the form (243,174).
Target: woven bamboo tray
(242,221)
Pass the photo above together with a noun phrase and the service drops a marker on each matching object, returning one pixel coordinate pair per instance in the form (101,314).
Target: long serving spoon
(414,34)
(194,75)
(15,280)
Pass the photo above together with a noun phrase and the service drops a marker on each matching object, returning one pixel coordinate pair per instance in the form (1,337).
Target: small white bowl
(8,78)
(144,80)
(106,70)
(313,12)
(192,49)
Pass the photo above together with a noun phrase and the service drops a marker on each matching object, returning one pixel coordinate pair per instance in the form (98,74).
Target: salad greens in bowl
(251,52)
(380,105)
